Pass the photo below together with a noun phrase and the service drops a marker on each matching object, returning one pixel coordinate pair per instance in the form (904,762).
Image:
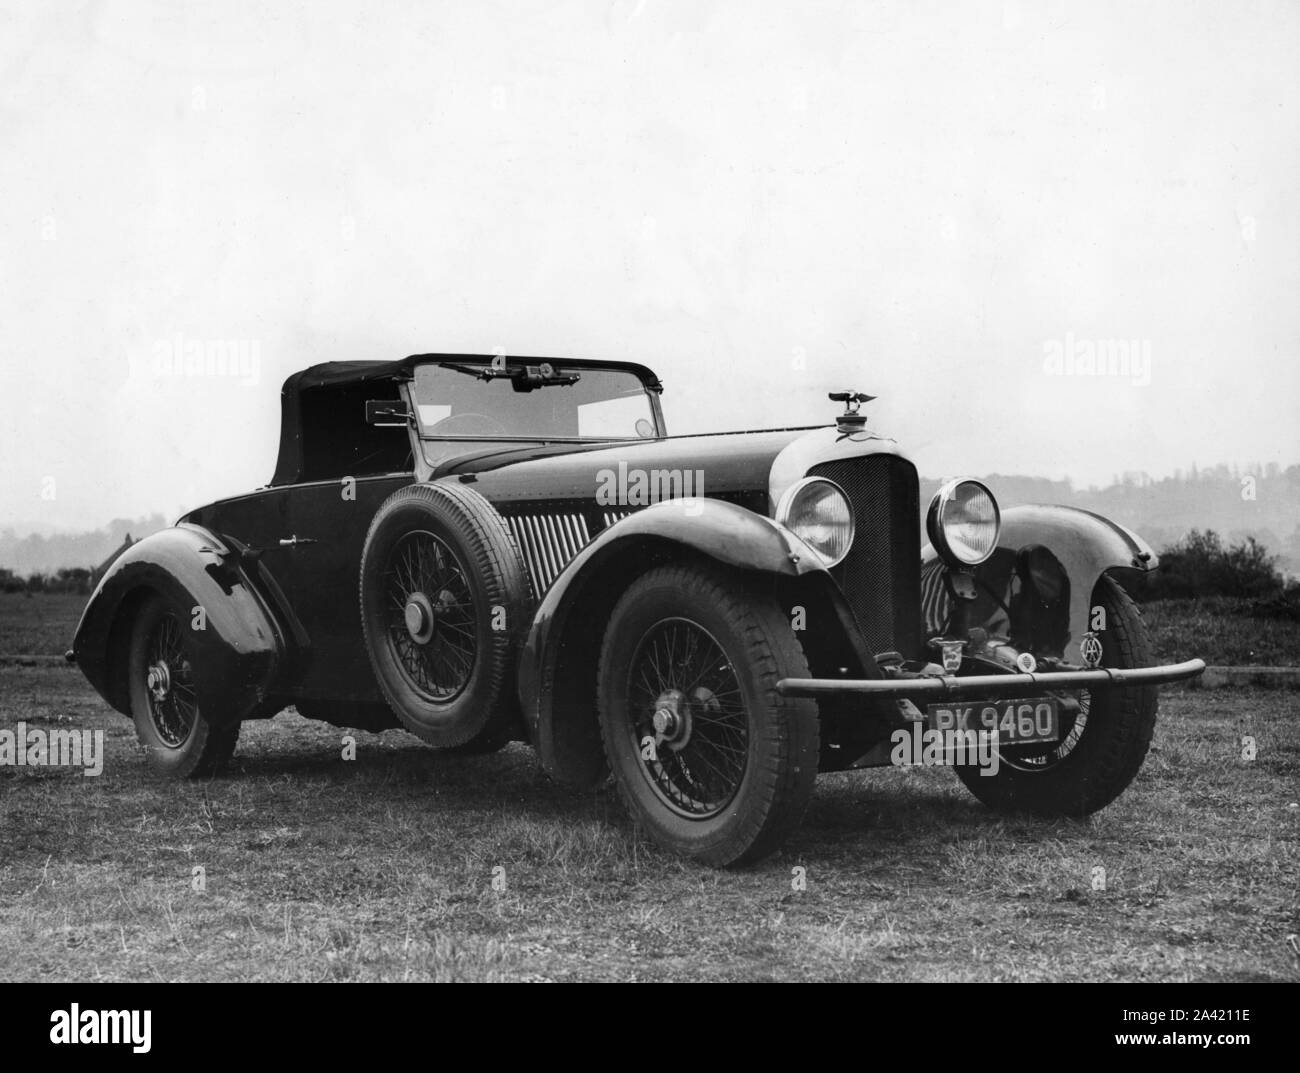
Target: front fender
(557,664)
(1086,545)
(238,650)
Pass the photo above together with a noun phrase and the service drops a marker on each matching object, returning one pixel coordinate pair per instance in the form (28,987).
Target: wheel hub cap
(420,618)
(672,719)
(159,680)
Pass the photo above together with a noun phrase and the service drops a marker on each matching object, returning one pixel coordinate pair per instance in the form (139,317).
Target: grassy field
(1221,630)
(319,868)
(38,624)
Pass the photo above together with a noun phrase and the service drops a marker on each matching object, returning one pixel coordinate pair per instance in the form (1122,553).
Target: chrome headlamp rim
(946,494)
(788,498)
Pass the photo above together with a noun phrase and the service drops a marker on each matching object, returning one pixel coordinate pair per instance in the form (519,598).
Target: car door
(318,564)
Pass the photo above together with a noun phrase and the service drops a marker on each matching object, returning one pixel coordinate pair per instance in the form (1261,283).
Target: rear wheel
(1101,747)
(709,758)
(179,741)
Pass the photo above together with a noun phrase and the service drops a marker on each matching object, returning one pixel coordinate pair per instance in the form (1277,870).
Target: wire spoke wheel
(1103,743)
(169,683)
(688,718)
(162,667)
(430,614)
(1042,758)
(444,606)
(710,758)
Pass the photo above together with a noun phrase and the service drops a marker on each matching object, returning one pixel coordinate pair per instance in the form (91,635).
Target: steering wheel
(486,425)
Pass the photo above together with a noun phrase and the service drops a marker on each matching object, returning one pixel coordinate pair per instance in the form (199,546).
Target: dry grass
(318,868)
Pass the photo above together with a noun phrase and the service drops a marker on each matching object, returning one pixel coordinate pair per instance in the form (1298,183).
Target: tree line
(69,579)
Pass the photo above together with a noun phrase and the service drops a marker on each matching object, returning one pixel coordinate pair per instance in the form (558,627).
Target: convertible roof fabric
(309,399)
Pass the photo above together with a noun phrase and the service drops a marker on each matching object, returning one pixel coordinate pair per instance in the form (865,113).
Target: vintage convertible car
(485,549)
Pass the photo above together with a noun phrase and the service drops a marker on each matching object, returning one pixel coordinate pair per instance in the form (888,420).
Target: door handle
(295,540)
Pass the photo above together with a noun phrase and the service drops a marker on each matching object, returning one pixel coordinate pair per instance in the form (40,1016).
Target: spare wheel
(444,604)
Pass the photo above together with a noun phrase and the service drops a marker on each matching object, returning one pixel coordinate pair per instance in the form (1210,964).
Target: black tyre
(710,760)
(178,741)
(1101,749)
(443,608)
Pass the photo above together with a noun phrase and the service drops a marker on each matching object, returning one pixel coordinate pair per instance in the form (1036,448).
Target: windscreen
(454,402)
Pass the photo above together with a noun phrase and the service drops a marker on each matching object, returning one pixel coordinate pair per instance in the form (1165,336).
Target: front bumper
(990,684)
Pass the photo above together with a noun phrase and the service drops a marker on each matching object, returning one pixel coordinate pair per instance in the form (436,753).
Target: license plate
(1015,722)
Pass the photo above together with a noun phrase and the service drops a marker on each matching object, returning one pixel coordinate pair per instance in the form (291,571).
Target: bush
(74,579)
(68,579)
(1199,565)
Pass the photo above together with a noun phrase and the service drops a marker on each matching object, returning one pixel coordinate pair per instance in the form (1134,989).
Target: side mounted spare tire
(444,606)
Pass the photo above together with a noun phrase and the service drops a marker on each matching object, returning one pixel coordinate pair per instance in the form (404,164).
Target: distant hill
(30,553)
(1260,501)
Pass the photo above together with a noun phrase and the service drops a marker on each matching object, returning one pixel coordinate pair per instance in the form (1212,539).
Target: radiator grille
(881,576)
(548,542)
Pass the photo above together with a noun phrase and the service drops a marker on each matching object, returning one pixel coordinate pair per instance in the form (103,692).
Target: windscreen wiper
(525,377)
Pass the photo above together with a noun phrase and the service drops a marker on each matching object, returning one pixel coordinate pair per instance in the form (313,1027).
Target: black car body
(485,549)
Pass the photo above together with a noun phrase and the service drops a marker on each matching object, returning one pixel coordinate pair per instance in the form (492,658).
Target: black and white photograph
(650,491)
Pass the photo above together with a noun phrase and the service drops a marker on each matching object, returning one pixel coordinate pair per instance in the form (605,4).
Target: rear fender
(239,645)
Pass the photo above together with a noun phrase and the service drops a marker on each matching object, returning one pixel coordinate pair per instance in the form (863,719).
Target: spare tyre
(444,605)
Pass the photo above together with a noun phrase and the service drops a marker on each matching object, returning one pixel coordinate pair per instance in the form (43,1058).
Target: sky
(960,208)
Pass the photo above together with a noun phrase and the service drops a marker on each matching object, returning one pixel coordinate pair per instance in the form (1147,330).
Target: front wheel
(1101,748)
(178,740)
(708,757)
